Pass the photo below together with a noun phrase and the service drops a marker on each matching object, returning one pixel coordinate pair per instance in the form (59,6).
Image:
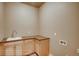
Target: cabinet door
(44,47)
(37,47)
(2,50)
(13,48)
(28,46)
(19,48)
(10,49)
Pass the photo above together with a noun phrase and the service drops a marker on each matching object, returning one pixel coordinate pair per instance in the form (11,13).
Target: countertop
(36,37)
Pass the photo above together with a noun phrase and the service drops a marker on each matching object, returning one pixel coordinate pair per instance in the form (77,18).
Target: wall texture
(62,19)
(59,18)
(21,18)
(1,21)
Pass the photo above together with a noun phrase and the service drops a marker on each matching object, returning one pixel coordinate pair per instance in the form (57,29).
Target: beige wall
(1,21)
(62,19)
(21,18)
(59,18)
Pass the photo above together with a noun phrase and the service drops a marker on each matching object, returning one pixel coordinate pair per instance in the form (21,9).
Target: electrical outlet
(63,42)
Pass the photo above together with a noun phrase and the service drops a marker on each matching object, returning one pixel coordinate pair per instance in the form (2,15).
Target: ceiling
(34,4)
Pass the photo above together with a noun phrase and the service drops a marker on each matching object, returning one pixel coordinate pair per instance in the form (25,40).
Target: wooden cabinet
(13,48)
(10,49)
(26,46)
(42,45)
(2,49)
(19,49)
(38,44)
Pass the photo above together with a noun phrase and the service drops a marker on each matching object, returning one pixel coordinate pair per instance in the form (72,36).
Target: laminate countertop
(35,37)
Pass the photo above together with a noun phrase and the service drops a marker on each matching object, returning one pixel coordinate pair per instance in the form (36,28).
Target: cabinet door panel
(28,46)
(37,47)
(2,50)
(44,48)
(10,49)
(19,48)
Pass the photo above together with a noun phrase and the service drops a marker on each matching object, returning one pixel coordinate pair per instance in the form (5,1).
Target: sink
(13,38)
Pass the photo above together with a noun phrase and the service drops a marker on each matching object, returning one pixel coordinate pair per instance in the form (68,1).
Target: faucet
(13,33)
